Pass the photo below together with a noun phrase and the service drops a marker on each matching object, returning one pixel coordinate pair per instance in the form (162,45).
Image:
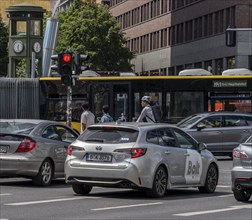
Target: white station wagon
(148,156)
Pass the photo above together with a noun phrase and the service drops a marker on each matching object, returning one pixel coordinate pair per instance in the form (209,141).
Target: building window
(164,6)
(198,65)
(206,27)
(218,66)
(188,30)
(164,38)
(173,35)
(171,71)
(218,21)
(208,65)
(188,66)
(210,24)
(231,62)
(18,27)
(179,68)
(200,27)
(180,33)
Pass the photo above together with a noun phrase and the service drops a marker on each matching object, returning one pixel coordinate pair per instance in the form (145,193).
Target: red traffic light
(67,57)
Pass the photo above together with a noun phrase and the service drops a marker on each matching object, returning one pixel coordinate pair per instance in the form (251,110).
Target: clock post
(25,37)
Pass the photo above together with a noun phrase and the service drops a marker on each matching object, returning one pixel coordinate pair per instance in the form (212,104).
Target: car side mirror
(202,146)
(200,126)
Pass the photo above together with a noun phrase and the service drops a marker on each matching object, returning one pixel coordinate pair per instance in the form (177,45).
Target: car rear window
(16,127)
(108,134)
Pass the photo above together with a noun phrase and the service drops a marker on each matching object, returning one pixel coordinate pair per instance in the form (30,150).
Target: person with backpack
(146,113)
(106,116)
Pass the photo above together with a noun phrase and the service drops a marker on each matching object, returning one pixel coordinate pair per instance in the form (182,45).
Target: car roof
(134,125)
(221,113)
(33,121)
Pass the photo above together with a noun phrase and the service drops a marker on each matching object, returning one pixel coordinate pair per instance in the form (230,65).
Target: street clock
(36,47)
(18,46)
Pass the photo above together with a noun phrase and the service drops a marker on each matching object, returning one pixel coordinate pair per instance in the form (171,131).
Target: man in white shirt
(146,114)
(87,117)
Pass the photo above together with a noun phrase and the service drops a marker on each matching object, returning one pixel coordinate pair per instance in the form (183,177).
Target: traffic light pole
(69,105)
(65,69)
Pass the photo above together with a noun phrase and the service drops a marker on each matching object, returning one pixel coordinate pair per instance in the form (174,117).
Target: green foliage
(3,48)
(21,69)
(89,28)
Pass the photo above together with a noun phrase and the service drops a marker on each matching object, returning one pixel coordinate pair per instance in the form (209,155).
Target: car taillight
(26,145)
(236,154)
(240,154)
(134,152)
(243,155)
(71,148)
(137,152)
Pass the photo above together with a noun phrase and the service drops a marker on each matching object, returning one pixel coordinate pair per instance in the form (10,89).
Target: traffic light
(56,60)
(79,62)
(231,36)
(65,67)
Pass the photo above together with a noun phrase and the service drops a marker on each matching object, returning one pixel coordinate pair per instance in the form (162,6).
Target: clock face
(18,46)
(36,47)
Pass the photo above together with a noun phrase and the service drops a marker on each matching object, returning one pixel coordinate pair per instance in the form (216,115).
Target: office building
(171,35)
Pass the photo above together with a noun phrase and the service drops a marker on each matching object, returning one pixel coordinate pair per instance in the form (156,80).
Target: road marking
(215,210)
(223,186)
(224,196)
(6,194)
(127,206)
(50,200)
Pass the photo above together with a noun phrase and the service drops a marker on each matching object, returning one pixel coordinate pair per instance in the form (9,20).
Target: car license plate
(3,149)
(99,157)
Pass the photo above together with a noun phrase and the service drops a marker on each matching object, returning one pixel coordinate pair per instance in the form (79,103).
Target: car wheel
(45,174)
(211,180)
(81,189)
(159,184)
(241,195)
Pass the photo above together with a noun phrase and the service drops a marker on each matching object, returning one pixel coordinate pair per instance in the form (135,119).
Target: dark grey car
(34,149)
(220,131)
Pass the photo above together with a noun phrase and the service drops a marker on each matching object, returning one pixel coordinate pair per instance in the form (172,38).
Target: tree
(3,48)
(89,28)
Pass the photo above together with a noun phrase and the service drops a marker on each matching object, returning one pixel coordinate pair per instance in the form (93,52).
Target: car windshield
(16,127)
(185,123)
(109,135)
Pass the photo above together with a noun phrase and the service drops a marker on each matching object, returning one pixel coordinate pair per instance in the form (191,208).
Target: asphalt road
(20,200)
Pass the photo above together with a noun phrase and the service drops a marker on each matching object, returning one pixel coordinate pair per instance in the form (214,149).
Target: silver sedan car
(34,149)
(241,173)
(148,156)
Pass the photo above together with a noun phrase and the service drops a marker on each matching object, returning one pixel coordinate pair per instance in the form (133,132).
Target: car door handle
(187,154)
(167,152)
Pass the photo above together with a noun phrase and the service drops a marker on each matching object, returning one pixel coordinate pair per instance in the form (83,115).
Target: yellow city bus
(178,96)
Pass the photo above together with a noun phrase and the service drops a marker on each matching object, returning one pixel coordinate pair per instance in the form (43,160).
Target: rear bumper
(245,184)
(128,177)
(241,178)
(18,167)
